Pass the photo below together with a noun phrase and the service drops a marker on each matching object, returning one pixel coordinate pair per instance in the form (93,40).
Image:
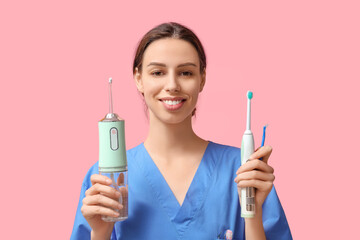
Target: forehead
(171,52)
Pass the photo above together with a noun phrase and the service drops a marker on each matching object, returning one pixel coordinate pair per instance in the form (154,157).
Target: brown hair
(169,30)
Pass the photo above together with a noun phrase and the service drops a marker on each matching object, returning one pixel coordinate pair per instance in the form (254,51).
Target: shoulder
(226,150)
(132,152)
(226,154)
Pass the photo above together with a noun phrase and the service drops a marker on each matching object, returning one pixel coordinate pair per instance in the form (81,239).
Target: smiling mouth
(173,102)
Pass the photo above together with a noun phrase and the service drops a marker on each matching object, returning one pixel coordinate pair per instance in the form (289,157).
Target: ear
(138,81)
(203,80)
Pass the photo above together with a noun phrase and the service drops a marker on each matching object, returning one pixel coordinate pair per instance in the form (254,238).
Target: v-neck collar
(195,196)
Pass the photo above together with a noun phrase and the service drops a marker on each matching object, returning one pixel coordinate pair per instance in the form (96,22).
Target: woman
(180,185)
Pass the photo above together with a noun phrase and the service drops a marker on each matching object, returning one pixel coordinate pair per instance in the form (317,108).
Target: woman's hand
(258,174)
(100,200)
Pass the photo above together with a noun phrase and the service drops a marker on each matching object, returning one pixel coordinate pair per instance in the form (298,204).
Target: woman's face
(170,79)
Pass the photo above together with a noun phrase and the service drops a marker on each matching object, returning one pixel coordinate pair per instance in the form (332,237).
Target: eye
(186,73)
(156,73)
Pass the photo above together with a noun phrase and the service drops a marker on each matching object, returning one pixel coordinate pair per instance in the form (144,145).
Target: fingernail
(108,181)
(120,206)
(117,194)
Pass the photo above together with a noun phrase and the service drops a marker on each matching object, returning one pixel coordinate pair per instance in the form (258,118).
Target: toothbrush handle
(248,193)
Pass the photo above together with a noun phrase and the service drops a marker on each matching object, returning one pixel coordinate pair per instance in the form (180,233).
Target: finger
(255,165)
(263,152)
(121,179)
(124,192)
(90,211)
(97,178)
(103,189)
(102,200)
(258,184)
(257,175)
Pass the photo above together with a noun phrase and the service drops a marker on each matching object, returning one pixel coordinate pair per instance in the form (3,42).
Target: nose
(172,84)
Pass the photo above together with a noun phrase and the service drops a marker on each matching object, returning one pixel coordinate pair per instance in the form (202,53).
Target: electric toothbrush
(112,156)
(247,148)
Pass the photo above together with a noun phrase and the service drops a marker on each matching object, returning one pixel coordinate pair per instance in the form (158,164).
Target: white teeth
(169,102)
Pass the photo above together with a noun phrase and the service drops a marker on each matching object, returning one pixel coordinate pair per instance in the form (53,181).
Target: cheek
(151,90)
(151,87)
(195,98)
(193,90)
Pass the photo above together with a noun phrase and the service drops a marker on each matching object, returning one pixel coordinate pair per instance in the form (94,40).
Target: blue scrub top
(211,205)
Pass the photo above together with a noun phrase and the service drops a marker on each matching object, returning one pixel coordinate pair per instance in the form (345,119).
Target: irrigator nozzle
(110,96)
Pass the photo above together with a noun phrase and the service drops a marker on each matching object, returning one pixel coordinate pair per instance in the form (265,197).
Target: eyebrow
(164,65)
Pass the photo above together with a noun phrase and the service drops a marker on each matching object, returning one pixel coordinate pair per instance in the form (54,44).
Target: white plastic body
(247,148)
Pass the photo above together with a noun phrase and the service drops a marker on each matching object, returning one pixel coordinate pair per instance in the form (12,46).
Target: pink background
(301,59)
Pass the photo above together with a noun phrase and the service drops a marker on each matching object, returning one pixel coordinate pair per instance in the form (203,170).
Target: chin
(173,118)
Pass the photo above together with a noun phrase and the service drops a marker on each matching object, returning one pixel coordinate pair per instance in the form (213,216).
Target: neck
(170,138)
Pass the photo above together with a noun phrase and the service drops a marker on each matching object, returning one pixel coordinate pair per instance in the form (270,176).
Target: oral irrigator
(112,156)
(247,148)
